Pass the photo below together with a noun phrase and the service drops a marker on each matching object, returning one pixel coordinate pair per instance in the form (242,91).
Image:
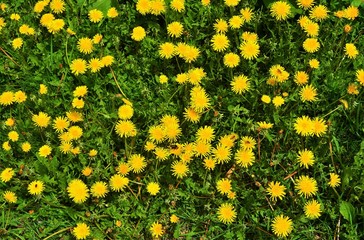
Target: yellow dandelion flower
(123,168)
(153,188)
(351,51)
(25,147)
(175,29)
(352,89)
(41,120)
(282,226)
(13,136)
(143,6)
(81,231)
(247,14)
(220,42)
(240,84)
(264,125)
(226,213)
(179,169)
(45,151)
(157,7)
(351,12)
(308,93)
(319,127)
(36,187)
(224,186)
(278,101)
(57,6)
(10,197)
(17,43)
(46,19)
(301,77)
(7,174)
(7,98)
(178,5)
(221,153)
(43,89)
(306,186)
(174,218)
(305,4)
(314,63)
(249,50)
(209,163)
(319,12)
(249,37)
(15,16)
(244,157)
(20,97)
(199,99)
(137,163)
(306,158)
(85,45)
(303,126)
(311,45)
(221,26)
(55,26)
(235,22)
(276,190)
(205,134)
(78,66)
(231,60)
(138,33)
(74,116)
(156,230)
(125,128)
(112,13)
(78,191)
(334,180)
(157,133)
(266,99)
(231,3)
(95,15)
(99,189)
(191,115)
(280,10)
(87,171)
(312,209)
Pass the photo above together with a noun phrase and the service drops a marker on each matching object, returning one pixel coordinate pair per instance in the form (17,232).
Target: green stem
(58,232)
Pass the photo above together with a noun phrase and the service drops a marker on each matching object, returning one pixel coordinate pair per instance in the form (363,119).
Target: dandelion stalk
(58,232)
(117,84)
(8,56)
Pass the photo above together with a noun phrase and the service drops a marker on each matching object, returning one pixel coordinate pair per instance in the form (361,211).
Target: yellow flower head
(282,226)
(36,187)
(226,213)
(153,188)
(306,186)
(276,190)
(138,33)
(7,174)
(312,209)
(280,10)
(78,191)
(156,230)
(81,231)
(95,15)
(99,189)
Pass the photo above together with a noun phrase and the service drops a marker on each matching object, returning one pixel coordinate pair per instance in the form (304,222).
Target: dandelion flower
(57,6)
(199,99)
(95,15)
(112,12)
(319,12)
(191,115)
(351,12)
(221,26)
(226,213)
(10,197)
(7,174)
(17,43)
(266,99)
(156,230)
(137,163)
(167,50)
(20,97)
(45,151)
(46,19)
(264,125)
(99,189)
(174,218)
(87,171)
(280,10)
(36,187)
(191,54)
(304,126)
(202,148)
(78,66)
(41,120)
(26,147)
(249,37)
(107,61)
(125,128)
(85,45)
(224,186)
(221,153)
(312,209)
(157,7)
(220,42)
(276,190)
(7,98)
(305,4)
(13,136)
(43,89)
(178,5)
(179,169)
(74,116)
(55,26)
(278,101)
(205,2)
(244,157)
(175,29)
(236,22)
(334,180)
(308,93)
(143,6)
(305,158)
(231,60)
(319,127)
(247,14)
(153,188)
(205,134)
(249,50)
(125,112)
(81,231)
(314,63)
(351,51)
(311,45)
(78,191)
(306,186)
(6,146)
(209,163)
(138,33)
(282,226)
(240,84)
(15,16)
(247,142)
(301,77)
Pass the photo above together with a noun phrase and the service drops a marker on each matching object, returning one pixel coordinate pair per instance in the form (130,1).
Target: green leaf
(347,211)
(356,3)
(102,5)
